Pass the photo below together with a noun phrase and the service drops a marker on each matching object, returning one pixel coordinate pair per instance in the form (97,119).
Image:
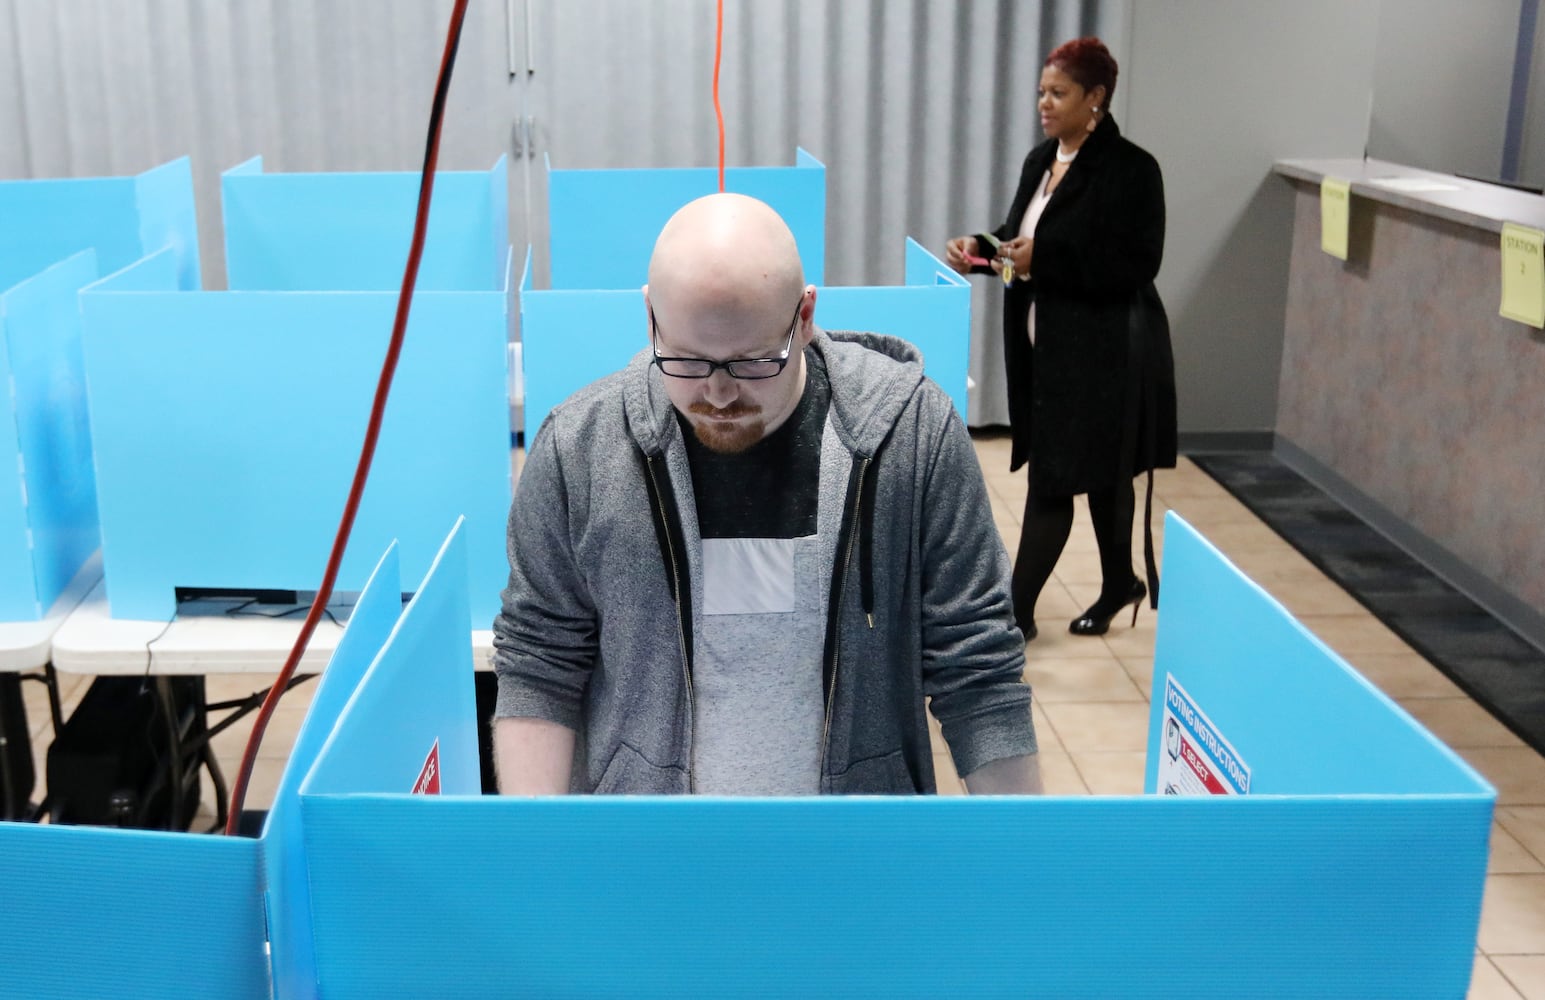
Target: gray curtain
(921,109)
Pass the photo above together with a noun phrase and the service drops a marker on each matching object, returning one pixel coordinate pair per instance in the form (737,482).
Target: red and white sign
(1194,757)
(428,782)
(1199,767)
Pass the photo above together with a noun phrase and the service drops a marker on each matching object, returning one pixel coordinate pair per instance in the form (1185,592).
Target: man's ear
(648,327)
(807,317)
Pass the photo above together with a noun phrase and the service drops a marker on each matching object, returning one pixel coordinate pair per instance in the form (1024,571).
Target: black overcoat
(1093,402)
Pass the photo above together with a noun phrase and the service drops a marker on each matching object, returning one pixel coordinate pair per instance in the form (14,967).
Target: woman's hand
(957,250)
(1018,250)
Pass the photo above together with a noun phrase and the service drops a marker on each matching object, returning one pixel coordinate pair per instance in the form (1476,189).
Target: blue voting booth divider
(125,914)
(166,914)
(571,337)
(285,873)
(1366,883)
(236,473)
(592,319)
(48,504)
(1300,888)
(121,218)
(624,210)
(54,237)
(351,231)
(932,311)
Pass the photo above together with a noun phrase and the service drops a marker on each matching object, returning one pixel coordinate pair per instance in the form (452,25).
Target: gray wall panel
(1217,92)
(1443,72)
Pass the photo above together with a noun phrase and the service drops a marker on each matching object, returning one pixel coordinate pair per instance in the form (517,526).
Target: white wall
(1217,91)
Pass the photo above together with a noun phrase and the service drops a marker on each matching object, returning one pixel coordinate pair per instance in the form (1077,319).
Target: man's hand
(533,756)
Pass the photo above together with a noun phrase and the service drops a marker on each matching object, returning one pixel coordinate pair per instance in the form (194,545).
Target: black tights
(1047,523)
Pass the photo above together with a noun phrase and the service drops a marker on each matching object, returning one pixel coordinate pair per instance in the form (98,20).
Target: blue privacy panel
(603,223)
(89,912)
(48,511)
(227,426)
(1258,897)
(288,902)
(932,311)
(573,337)
(122,218)
(1303,720)
(416,696)
(351,231)
(1262,895)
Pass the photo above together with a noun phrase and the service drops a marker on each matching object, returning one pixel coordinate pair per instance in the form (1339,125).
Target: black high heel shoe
(1096,621)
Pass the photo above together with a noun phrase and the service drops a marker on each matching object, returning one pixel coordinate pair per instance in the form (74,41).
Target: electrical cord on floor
(372,432)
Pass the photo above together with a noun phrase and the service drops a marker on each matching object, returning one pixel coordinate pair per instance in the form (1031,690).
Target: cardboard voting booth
(55,237)
(1339,850)
(227,425)
(591,320)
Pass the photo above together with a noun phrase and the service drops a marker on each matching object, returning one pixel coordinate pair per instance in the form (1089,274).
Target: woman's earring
(1094,120)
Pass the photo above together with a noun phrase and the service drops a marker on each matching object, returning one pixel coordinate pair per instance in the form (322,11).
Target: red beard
(727,438)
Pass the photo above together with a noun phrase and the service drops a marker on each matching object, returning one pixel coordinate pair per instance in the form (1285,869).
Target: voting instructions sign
(1196,759)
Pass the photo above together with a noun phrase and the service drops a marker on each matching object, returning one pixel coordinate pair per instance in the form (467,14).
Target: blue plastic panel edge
(48,378)
(1304,721)
(936,319)
(415,696)
(107,914)
(181,507)
(18,585)
(168,218)
(285,873)
(571,338)
(630,206)
(122,218)
(351,231)
(1133,898)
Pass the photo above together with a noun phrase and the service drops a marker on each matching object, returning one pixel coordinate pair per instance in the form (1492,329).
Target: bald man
(751,562)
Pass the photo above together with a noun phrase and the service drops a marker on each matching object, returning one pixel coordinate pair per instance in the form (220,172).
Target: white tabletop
(27,645)
(202,639)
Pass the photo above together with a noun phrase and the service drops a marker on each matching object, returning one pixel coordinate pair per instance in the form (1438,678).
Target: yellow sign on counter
(1335,216)
(1523,274)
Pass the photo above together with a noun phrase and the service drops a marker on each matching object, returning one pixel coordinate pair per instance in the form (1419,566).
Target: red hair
(1088,62)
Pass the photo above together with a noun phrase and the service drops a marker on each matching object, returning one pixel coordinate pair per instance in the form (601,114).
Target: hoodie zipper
(842,586)
(681,628)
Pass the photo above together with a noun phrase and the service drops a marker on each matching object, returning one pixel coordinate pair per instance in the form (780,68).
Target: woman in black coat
(1090,370)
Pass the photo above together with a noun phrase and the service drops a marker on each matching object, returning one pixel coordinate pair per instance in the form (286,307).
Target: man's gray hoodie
(598,626)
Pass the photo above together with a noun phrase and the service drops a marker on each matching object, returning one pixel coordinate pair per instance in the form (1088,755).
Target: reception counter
(1404,391)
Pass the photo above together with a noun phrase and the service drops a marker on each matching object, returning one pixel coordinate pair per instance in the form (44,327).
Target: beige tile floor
(1092,702)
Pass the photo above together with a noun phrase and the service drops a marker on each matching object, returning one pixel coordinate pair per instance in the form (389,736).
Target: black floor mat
(1493,664)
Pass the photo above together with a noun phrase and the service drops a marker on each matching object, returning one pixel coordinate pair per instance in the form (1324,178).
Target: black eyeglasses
(742,368)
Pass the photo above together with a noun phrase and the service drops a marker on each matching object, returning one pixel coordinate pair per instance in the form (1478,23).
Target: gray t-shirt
(759,707)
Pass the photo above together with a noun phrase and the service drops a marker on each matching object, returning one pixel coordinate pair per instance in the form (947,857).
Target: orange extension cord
(718,112)
(372,433)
